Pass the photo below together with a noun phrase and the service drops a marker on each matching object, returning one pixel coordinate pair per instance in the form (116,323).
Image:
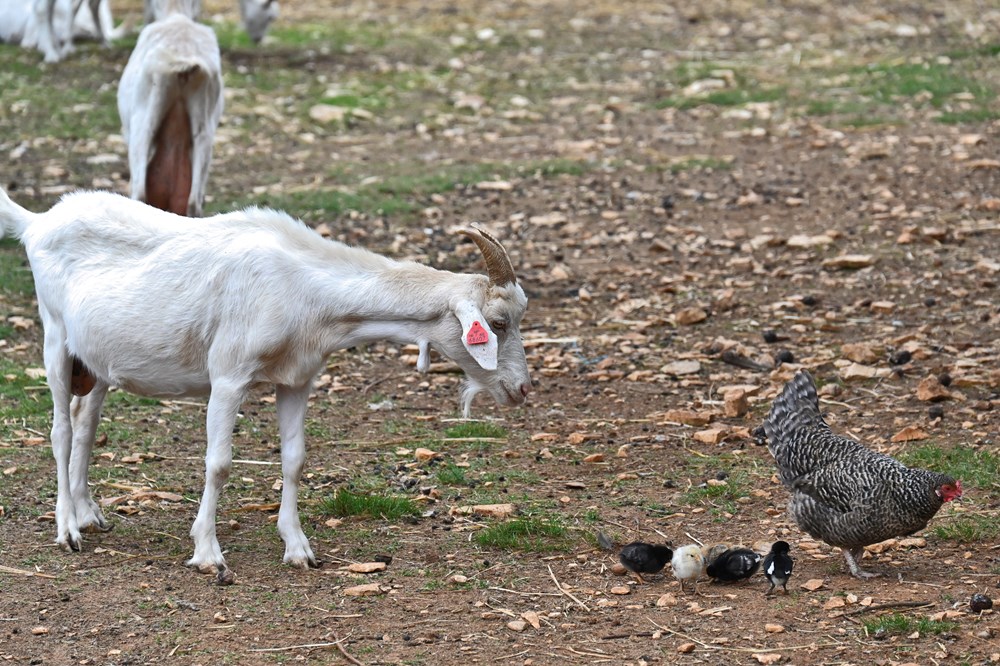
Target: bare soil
(617,259)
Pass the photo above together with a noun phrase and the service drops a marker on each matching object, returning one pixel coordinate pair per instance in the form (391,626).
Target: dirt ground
(683,235)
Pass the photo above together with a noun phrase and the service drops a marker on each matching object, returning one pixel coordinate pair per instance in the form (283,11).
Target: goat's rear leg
(58,368)
(86,413)
(292,403)
(223,405)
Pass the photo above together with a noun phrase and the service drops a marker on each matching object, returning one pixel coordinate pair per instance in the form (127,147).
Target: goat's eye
(499,325)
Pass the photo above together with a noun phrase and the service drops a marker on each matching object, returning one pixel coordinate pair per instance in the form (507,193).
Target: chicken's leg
(853,556)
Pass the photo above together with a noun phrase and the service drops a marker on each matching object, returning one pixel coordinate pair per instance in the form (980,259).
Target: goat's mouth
(513,397)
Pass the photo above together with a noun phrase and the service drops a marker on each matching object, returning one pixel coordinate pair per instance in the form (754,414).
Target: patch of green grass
(937,82)
(474,429)
(898,623)
(528,534)
(345,503)
(975,468)
(451,475)
(969,529)
(402,194)
(25,400)
(704,163)
(15,273)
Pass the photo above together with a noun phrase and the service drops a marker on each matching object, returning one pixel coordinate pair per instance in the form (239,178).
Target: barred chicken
(841,492)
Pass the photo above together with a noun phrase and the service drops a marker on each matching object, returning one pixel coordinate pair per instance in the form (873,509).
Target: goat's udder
(82,380)
(168,179)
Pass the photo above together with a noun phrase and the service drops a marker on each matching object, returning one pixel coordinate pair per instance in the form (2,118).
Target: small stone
(935,412)
(424,455)
(517,625)
(691,316)
(932,389)
(774,628)
(366,567)
(900,357)
(594,458)
(39,631)
(784,356)
(666,600)
(686,648)
(620,590)
(371,589)
(910,434)
(812,584)
(980,603)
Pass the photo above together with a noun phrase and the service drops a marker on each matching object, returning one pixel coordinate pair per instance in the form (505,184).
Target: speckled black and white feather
(842,492)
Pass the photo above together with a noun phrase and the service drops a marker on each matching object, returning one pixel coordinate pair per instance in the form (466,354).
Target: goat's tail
(13,219)
(189,71)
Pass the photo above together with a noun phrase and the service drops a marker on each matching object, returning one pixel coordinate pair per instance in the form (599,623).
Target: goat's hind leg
(292,403)
(58,368)
(86,413)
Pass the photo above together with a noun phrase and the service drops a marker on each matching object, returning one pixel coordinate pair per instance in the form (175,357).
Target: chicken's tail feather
(796,410)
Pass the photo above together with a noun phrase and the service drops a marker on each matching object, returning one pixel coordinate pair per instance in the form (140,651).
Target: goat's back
(147,299)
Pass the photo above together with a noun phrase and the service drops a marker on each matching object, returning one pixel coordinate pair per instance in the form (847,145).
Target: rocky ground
(698,203)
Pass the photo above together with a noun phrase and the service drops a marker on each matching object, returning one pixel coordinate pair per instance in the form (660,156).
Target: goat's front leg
(224,403)
(292,403)
(86,412)
(58,366)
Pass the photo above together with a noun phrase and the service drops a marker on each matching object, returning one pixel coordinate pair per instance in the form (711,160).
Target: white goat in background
(161,305)
(170,101)
(255,14)
(52,25)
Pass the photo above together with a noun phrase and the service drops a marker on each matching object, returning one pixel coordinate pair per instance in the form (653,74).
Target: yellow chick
(688,564)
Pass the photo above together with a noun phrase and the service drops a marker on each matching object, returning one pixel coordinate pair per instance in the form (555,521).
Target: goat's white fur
(255,14)
(163,305)
(174,60)
(52,25)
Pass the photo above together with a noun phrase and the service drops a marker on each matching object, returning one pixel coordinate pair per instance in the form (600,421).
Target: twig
(688,535)
(739,649)
(371,385)
(526,594)
(344,652)
(637,634)
(25,572)
(235,462)
(561,589)
(585,654)
(510,656)
(304,646)
(897,604)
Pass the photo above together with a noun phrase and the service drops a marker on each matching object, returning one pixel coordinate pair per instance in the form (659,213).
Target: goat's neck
(405,303)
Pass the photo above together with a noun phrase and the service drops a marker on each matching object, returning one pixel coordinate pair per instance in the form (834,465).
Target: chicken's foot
(853,556)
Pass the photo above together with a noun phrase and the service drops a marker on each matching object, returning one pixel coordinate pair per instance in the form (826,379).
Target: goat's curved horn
(498,265)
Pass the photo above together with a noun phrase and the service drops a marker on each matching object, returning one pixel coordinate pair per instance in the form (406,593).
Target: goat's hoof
(98,527)
(205,567)
(71,544)
(225,576)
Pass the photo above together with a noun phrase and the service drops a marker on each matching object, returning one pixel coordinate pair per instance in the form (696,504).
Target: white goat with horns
(162,305)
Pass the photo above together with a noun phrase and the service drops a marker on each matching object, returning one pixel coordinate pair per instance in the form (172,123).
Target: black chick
(640,558)
(734,564)
(778,566)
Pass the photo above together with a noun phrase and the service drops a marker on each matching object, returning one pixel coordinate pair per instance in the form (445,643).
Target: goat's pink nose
(525,389)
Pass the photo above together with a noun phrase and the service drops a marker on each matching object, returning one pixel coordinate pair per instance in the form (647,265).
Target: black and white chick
(644,558)
(734,564)
(778,566)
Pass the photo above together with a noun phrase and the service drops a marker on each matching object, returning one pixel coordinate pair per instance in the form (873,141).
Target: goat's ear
(479,340)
